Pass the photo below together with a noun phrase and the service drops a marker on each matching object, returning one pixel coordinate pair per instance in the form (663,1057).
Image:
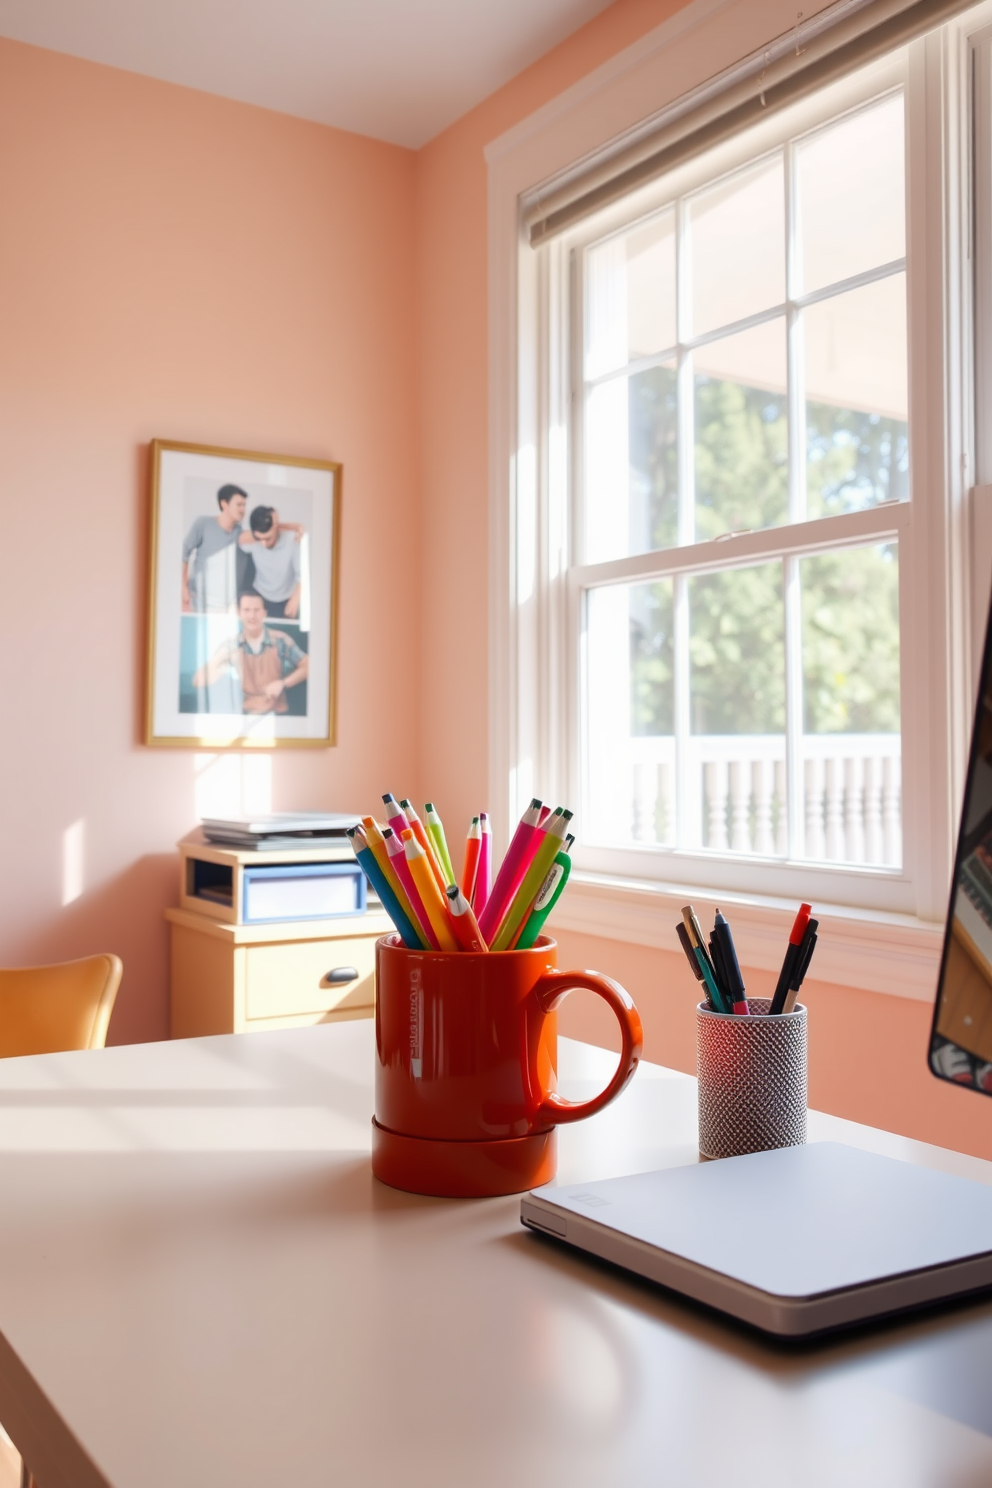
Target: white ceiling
(399,70)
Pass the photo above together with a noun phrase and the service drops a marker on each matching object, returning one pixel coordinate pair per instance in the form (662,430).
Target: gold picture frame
(242,599)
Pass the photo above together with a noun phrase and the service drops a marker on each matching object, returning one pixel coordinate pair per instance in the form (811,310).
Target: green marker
(551,891)
(436,830)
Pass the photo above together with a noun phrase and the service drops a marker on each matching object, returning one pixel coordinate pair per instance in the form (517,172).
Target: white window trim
(895,953)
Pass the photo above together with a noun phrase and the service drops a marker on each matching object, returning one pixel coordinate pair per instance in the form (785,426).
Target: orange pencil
(421,834)
(434,902)
(473,850)
(463,921)
(397,854)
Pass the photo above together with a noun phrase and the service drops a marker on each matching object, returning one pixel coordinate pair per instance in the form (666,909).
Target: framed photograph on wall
(242,621)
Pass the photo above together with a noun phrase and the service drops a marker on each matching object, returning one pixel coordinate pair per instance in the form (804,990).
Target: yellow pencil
(433,900)
(421,834)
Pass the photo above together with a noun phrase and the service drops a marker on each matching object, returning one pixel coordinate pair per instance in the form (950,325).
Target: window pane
(851,738)
(742,447)
(631,294)
(631,501)
(857,444)
(737,651)
(630,704)
(737,231)
(735,796)
(852,195)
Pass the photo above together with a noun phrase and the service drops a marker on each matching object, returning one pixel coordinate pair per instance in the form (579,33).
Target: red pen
(791,955)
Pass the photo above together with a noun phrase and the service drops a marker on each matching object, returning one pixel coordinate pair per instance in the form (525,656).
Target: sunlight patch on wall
(227,785)
(72,861)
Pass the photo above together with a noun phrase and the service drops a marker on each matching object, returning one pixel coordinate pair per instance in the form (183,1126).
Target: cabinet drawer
(281,980)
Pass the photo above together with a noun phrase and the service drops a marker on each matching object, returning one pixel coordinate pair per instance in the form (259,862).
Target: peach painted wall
(453,349)
(867,1049)
(177,265)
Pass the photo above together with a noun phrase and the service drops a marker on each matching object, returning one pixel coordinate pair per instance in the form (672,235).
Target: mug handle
(549,990)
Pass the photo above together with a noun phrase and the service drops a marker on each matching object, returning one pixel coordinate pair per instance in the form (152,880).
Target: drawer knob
(340,975)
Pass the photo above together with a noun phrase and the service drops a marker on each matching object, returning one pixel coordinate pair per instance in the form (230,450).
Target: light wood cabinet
(237,978)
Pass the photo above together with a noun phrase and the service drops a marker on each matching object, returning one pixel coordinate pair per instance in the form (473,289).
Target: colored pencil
(511,872)
(397,856)
(435,831)
(377,844)
(523,900)
(484,872)
(463,921)
(473,852)
(420,832)
(431,896)
(373,871)
(395,815)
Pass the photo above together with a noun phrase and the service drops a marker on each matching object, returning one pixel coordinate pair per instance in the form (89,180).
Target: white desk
(202,1284)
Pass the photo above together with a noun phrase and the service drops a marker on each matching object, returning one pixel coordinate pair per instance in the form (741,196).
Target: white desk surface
(202,1284)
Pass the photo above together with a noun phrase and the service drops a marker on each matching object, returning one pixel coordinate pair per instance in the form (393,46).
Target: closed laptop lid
(796,1223)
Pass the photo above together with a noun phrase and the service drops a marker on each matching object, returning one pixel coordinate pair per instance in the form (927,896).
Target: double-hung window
(741,445)
(738,604)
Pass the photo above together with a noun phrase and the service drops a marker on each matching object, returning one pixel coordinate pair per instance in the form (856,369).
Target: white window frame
(562,275)
(891,948)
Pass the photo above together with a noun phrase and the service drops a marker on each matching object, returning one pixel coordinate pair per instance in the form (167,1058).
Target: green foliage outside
(652,658)
(653,445)
(849,598)
(850,603)
(737,651)
(853,460)
(742,459)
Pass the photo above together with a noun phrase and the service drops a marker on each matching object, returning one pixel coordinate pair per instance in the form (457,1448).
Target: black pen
(791,959)
(733,982)
(693,945)
(716,957)
(802,965)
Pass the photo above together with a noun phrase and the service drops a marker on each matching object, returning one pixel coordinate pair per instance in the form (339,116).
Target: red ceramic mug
(466,1102)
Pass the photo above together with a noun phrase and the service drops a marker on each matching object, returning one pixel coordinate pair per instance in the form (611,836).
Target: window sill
(891,953)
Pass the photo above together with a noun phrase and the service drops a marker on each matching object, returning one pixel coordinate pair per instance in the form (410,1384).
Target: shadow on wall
(123,915)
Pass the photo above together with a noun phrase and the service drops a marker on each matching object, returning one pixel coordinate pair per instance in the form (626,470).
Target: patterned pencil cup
(752,1079)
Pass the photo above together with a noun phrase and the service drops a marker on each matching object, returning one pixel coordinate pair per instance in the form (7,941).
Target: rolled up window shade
(829,46)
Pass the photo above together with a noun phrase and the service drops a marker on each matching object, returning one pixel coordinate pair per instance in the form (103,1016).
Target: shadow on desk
(938,1357)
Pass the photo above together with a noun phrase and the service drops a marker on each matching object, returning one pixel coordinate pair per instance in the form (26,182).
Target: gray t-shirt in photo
(277,569)
(213,576)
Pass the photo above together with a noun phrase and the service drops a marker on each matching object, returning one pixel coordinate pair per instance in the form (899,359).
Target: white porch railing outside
(735,795)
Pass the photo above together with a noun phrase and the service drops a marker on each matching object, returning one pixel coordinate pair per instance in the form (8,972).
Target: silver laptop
(795,1241)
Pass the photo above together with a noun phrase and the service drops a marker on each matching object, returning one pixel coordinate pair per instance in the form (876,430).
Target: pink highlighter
(397,856)
(484,872)
(395,815)
(526,840)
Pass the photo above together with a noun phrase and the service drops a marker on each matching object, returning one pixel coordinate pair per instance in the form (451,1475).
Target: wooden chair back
(45,1009)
